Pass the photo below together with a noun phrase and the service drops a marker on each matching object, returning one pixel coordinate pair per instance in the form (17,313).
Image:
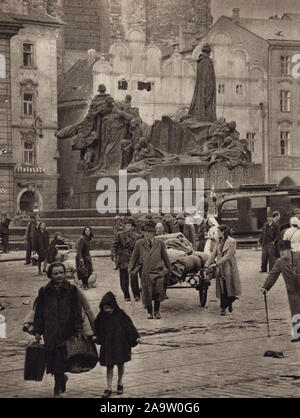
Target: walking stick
(267,314)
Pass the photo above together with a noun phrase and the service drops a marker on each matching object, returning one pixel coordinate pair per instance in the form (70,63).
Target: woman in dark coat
(57,317)
(116,334)
(52,253)
(42,244)
(83,259)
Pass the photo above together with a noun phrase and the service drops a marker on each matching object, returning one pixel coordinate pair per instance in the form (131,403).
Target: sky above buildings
(254,8)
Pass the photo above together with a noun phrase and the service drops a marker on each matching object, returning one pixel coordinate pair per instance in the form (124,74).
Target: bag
(81,354)
(92,280)
(34,260)
(35,362)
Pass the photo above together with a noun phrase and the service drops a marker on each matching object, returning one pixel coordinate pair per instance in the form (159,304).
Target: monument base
(218,177)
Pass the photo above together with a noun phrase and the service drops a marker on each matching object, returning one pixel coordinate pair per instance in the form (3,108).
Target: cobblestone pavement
(191,352)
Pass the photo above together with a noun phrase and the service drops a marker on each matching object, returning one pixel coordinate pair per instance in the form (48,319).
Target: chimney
(236,15)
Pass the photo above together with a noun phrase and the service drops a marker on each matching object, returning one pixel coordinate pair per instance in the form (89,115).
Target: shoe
(40,273)
(56,393)
(223,312)
(137,299)
(263,271)
(64,385)
(150,316)
(230,309)
(157,315)
(120,389)
(107,394)
(127,300)
(296,340)
(27,264)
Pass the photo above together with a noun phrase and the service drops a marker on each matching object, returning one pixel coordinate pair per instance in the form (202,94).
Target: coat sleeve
(27,232)
(193,235)
(115,247)
(277,234)
(80,248)
(38,323)
(77,311)
(165,257)
(273,276)
(212,257)
(229,254)
(262,235)
(134,258)
(98,329)
(87,309)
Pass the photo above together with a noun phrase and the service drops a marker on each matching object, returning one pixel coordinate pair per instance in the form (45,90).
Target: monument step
(82,222)
(74,213)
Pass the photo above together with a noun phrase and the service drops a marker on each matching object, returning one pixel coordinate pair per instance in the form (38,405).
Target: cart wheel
(203,293)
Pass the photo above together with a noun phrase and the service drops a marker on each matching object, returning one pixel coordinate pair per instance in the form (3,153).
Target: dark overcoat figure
(42,243)
(152,262)
(57,317)
(203,106)
(269,240)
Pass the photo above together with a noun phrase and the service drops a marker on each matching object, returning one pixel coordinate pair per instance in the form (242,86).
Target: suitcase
(35,362)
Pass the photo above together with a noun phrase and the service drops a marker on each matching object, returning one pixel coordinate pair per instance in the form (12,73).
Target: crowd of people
(140,255)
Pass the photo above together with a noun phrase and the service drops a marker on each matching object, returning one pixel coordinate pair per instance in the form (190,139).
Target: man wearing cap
(285,266)
(122,248)
(160,229)
(269,241)
(187,230)
(5,221)
(150,256)
(203,106)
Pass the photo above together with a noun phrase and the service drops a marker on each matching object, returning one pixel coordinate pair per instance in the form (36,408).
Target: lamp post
(37,127)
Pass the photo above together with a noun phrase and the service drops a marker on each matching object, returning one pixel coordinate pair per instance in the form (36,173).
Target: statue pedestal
(86,194)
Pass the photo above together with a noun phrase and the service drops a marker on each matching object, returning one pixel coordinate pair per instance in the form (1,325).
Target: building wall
(287,165)
(6,162)
(41,80)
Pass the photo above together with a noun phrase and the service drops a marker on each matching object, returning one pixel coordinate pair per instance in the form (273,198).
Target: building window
(2,66)
(251,139)
(285,65)
(28,104)
(285,101)
(144,86)
(221,89)
(28,153)
(122,84)
(239,89)
(28,55)
(285,137)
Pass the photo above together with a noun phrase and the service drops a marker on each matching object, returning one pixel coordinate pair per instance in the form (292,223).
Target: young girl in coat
(116,334)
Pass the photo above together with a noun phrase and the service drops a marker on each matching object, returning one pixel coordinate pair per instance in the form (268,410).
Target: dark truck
(246,213)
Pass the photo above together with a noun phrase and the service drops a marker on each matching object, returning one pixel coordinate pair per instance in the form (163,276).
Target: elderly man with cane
(285,265)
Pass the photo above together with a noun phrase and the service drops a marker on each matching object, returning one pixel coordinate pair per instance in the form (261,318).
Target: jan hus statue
(203,106)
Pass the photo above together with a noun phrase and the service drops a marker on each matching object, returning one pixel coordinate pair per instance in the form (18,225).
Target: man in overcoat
(269,241)
(30,237)
(122,249)
(290,271)
(5,221)
(150,256)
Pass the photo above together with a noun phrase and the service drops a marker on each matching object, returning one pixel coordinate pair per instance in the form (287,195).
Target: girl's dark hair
(52,266)
(226,231)
(84,229)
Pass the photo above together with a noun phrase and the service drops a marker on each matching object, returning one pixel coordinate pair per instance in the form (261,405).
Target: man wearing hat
(150,256)
(269,241)
(285,266)
(203,106)
(187,230)
(122,248)
(5,221)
